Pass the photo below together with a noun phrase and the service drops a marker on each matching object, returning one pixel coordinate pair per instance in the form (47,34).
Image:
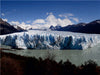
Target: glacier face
(58,40)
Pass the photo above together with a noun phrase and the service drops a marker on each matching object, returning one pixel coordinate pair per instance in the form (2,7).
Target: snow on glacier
(35,39)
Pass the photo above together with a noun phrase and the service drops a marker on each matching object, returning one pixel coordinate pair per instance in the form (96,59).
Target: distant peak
(81,24)
(55,27)
(96,21)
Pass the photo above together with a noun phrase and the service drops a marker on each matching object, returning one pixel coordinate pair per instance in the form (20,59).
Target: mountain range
(92,27)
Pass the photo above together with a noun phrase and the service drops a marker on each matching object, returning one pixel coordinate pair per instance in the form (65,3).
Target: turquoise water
(75,56)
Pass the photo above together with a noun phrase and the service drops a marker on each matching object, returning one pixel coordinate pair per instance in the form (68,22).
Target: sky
(47,13)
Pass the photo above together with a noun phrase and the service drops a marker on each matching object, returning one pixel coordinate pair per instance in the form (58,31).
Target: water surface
(75,56)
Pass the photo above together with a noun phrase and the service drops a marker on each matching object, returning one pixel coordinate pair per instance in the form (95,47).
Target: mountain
(29,27)
(52,27)
(25,27)
(19,28)
(6,28)
(55,28)
(92,27)
(73,28)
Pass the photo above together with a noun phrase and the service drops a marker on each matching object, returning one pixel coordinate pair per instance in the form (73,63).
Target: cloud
(66,15)
(22,24)
(76,19)
(39,21)
(14,23)
(2,14)
(64,22)
(28,21)
(51,20)
(5,20)
(70,16)
(48,21)
(18,23)
(49,13)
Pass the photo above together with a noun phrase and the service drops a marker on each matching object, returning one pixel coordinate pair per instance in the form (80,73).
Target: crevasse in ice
(56,40)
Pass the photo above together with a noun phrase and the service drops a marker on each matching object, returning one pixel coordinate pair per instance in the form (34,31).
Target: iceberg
(56,40)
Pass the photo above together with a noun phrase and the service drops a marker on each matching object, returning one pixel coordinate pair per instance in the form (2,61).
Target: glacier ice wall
(34,39)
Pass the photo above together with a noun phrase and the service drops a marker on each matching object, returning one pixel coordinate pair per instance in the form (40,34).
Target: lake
(75,56)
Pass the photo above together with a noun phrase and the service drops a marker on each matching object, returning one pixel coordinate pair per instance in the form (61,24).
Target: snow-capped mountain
(18,28)
(30,27)
(6,28)
(92,27)
(34,39)
(25,27)
(55,27)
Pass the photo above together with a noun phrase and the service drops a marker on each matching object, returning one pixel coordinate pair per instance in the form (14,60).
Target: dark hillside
(92,27)
(6,28)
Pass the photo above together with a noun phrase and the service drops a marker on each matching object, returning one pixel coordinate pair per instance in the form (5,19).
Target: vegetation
(12,64)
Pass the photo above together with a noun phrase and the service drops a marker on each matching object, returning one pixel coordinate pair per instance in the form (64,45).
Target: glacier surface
(57,40)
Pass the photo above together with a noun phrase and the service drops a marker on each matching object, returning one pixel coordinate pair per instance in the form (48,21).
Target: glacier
(53,40)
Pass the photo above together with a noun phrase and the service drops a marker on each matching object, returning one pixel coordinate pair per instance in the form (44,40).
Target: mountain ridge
(92,27)
(6,28)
